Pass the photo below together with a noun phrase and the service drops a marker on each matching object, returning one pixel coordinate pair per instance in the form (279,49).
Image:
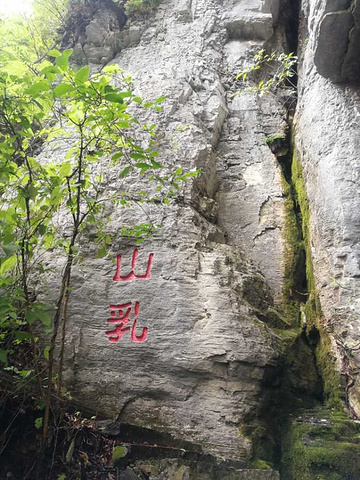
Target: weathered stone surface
(273,7)
(251,202)
(174,469)
(337,41)
(199,375)
(251,19)
(328,142)
(101,40)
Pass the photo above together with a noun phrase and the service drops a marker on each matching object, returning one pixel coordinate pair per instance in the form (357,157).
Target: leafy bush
(140,7)
(278,67)
(93,122)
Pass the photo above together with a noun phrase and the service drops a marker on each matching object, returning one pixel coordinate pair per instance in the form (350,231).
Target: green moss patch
(323,444)
(312,308)
(138,8)
(119,453)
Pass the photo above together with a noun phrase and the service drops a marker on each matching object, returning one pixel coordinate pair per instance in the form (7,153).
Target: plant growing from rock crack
(140,7)
(281,67)
(89,129)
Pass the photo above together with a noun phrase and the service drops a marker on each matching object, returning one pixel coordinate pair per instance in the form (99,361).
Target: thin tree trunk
(63,334)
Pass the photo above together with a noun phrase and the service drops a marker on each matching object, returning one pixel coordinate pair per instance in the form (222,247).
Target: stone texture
(101,40)
(328,142)
(337,41)
(250,197)
(174,469)
(217,259)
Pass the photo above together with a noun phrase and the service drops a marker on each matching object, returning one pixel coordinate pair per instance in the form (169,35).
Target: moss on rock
(323,444)
(312,308)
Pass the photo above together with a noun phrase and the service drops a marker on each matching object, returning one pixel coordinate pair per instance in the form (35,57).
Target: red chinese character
(131,276)
(120,316)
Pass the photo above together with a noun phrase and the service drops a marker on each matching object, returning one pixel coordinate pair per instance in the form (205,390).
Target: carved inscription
(121,314)
(132,276)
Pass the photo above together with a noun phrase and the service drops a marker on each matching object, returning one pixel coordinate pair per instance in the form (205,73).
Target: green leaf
(114,97)
(125,172)
(82,75)
(138,156)
(25,123)
(38,423)
(116,156)
(155,164)
(8,264)
(63,60)
(30,316)
(119,453)
(50,69)
(42,229)
(31,192)
(62,89)
(38,87)
(46,352)
(143,166)
(160,99)
(54,53)
(101,253)
(22,336)
(44,317)
(126,94)
(3,356)
(65,169)
(10,248)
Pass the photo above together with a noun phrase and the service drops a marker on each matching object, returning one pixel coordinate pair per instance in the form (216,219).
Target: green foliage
(322,445)
(279,67)
(261,465)
(276,136)
(96,147)
(324,355)
(39,422)
(28,39)
(119,452)
(140,7)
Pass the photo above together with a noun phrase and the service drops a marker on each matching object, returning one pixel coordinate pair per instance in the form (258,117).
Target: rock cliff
(327,142)
(223,303)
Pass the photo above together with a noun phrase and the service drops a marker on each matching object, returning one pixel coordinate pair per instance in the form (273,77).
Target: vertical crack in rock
(297,397)
(328,151)
(312,434)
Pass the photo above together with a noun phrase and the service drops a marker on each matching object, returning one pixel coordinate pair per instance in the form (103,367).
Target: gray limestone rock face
(101,40)
(193,361)
(337,41)
(328,143)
